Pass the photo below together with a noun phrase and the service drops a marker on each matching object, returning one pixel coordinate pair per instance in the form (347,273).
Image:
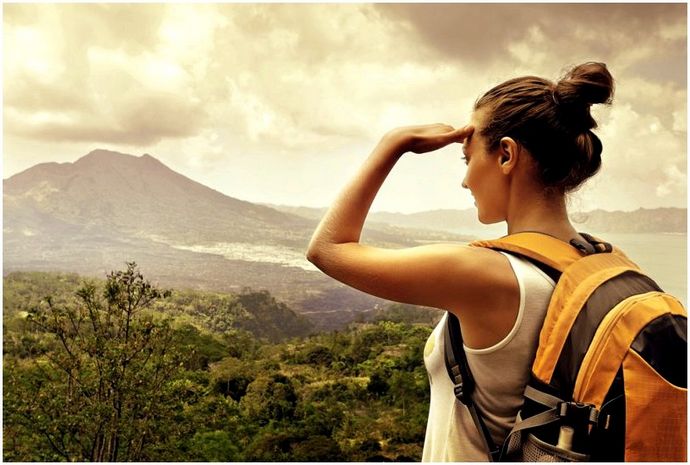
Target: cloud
(643,163)
(72,75)
(304,89)
(481,34)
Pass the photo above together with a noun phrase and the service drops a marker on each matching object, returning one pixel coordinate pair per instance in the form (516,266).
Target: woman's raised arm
(439,275)
(344,220)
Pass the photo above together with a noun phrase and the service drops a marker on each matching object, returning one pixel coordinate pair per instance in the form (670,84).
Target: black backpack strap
(460,375)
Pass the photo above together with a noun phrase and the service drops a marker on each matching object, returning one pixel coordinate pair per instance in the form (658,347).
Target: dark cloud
(469,31)
(480,34)
(30,95)
(91,85)
(669,66)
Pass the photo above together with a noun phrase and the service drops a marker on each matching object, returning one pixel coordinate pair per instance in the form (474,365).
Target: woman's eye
(465,159)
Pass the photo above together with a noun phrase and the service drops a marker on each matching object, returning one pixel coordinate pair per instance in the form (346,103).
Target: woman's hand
(425,138)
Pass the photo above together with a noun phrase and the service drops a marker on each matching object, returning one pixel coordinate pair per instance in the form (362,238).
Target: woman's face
(484,177)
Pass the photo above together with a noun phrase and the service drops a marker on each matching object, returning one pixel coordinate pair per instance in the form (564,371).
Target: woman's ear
(508,154)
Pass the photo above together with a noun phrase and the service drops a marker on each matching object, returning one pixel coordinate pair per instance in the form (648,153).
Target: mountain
(461,222)
(107,208)
(141,196)
(642,220)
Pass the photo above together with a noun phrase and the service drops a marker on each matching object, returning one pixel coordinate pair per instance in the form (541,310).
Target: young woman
(528,143)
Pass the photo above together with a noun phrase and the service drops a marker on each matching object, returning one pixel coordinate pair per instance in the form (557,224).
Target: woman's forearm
(344,220)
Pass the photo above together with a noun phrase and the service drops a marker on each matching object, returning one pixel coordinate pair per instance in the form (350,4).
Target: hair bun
(586,84)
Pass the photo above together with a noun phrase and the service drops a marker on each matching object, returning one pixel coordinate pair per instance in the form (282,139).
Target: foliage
(121,370)
(100,392)
(202,349)
(406,313)
(214,446)
(271,319)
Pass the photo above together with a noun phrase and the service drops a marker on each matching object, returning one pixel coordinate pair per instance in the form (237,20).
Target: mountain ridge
(660,219)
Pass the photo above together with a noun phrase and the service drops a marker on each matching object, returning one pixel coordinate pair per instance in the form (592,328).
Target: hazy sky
(281,103)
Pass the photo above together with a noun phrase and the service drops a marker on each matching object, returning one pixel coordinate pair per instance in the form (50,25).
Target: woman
(529,142)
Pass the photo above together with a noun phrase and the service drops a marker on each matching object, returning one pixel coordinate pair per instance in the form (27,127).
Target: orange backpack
(609,380)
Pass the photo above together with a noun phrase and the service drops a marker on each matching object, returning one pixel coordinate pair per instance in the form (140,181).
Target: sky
(281,104)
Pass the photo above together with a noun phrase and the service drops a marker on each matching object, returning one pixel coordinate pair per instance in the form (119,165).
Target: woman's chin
(483,219)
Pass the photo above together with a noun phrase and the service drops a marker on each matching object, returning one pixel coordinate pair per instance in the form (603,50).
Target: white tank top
(501,373)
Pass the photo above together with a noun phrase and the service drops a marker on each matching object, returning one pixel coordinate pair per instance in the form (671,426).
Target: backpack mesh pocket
(523,446)
(535,450)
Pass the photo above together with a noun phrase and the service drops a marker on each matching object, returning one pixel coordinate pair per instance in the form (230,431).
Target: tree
(317,449)
(232,376)
(378,386)
(319,355)
(104,391)
(214,446)
(269,398)
(202,348)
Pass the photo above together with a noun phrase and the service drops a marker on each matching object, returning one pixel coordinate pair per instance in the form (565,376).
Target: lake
(662,256)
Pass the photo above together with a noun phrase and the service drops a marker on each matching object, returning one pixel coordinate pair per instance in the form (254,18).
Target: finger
(440,129)
(459,135)
(466,130)
(463,133)
(449,137)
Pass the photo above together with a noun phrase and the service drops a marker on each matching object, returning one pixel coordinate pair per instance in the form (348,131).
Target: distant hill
(461,222)
(656,220)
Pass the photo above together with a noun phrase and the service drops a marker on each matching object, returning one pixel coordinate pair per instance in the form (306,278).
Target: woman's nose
(464,183)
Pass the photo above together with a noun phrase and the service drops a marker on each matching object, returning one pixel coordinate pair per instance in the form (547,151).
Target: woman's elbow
(322,255)
(314,253)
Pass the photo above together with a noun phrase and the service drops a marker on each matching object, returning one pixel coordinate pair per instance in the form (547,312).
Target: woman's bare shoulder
(487,277)
(489,303)
(442,275)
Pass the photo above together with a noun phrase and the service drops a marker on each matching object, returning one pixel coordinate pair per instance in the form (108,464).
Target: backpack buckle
(578,413)
(597,246)
(461,388)
(584,248)
(461,393)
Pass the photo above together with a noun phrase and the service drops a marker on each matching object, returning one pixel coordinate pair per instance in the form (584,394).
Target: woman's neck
(539,214)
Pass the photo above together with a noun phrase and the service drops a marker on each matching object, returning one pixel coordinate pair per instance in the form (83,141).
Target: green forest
(121,370)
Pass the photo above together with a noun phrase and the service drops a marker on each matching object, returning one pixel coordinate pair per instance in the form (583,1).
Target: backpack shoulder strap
(463,381)
(538,246)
